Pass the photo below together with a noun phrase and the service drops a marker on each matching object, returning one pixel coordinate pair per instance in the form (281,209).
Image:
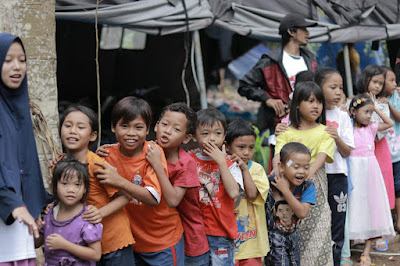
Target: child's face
(310,109)
(131,136)
(14,67)
(214,133)
(332,89)
(390,82)
(296,169)
(285,213)
(70,190)
(76,132)
(243,147)
(375,86)
(171,130)
(363,114)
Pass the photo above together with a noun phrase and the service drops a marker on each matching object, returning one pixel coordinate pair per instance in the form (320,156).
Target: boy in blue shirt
(291,199)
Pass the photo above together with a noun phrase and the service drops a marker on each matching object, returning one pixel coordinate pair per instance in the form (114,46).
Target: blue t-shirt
(392,137)
(308,194)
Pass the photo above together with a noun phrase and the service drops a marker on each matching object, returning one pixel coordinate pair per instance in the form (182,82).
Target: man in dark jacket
(271,80)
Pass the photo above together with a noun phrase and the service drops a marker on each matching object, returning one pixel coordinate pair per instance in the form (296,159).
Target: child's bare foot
(365,260)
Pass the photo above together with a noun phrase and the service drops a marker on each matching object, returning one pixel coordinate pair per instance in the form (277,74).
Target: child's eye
(164,124)
(177,129)
(251,147)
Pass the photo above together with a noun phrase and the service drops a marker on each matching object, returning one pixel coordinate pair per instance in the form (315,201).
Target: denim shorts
(222,251)
(120,257)
(201,260)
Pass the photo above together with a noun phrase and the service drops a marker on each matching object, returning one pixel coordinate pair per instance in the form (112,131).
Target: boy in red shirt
(176,126)
(219,178)
(157,228)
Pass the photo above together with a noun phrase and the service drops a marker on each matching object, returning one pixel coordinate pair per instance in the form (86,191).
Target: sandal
(381,245)
(346,262)
(365,260)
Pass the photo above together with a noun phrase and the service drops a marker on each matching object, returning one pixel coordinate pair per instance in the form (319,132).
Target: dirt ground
(380,258)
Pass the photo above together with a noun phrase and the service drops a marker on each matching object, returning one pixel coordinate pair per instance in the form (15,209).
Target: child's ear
(280,167)
(352,111)
(187,138)
(226,146)
(112,128)
(156,127)
(93,136)
(194,138)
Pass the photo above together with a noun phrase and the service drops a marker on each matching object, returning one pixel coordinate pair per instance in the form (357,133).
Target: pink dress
(384,158)
(368,211)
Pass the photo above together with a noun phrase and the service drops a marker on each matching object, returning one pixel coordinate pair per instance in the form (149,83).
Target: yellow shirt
(315,139)
(252,240)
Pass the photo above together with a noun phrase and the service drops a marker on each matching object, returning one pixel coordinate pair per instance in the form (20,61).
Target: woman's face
(14,67)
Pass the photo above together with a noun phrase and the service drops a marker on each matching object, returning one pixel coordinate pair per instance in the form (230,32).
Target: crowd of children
(335,177)
(161,205)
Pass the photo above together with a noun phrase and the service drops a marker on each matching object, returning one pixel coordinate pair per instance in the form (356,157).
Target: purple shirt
(75,230)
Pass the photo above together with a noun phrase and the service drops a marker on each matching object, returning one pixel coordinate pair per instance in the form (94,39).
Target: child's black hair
(238,128)
(128,109)
(93,119)
(366,76)
(359,101)
(303,92)
(209,117)
(66,168)
(305,75)
(187,111)
(322,73)
(290,148)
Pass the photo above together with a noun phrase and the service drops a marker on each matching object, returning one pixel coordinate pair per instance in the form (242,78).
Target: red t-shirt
(184,174)
(218,213)
(154,228)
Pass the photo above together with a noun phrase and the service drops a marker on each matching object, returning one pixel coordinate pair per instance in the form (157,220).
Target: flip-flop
(380,243)
(343,262)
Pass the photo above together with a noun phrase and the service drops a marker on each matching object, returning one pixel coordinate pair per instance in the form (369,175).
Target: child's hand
(235,158)
(332,131)
(55,160)
(280,128)
(196,150)
(372,96)
(210,149)
(22,215)
(281,183)
(383,100)
(102,150)
(40,223)
(47,209)
(92,215)
(108,175)
(153,155)
(55,241)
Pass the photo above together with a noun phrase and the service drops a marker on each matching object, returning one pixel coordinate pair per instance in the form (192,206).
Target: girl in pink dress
(368,210)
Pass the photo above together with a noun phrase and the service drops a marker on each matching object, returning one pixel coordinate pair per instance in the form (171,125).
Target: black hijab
(21,182)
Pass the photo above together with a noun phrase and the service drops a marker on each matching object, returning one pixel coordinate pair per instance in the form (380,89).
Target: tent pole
(200,70)
(349,81)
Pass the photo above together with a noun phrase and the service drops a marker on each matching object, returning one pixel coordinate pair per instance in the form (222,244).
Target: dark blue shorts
(120,257)
(173,256)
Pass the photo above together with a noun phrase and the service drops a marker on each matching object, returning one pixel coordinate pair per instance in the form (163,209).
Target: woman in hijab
(22,194)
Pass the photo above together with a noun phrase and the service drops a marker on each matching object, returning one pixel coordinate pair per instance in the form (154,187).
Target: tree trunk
(34,22)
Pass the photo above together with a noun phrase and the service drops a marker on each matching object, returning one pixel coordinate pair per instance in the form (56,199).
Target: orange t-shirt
(116,229)
(154,228)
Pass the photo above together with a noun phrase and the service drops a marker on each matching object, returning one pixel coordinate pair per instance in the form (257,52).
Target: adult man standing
(271,80)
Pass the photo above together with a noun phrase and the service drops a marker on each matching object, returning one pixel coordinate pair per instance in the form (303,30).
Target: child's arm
(387,122)
(249,187)
(317,164)
(172,195)
(230,184)
(110,176)
(394,112)
(94,215)
(301,209)
(342,147)
(39,240)
(275,161)
(91,252)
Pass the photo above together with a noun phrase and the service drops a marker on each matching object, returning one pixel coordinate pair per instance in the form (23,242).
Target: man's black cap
(294,20)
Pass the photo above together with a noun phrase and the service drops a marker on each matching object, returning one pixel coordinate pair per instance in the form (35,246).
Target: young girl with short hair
(369,210)
(68,238)
(307,116)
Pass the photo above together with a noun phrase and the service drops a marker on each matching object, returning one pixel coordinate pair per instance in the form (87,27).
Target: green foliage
(262,153)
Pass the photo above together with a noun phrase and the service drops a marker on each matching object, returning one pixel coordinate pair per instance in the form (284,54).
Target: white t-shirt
(293,65)
(341,120)
(15,242)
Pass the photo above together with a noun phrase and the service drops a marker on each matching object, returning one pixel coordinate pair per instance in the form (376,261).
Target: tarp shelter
(349,21)
(339,20)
